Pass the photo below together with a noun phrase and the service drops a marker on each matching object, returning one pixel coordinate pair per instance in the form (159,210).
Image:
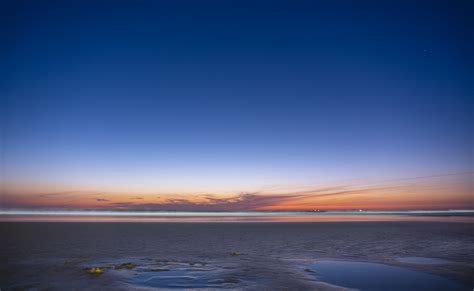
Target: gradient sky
(230,105)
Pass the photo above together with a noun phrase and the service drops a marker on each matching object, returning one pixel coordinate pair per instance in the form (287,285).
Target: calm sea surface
(256,216)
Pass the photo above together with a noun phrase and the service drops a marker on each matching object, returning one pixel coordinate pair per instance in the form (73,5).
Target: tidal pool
(188,277)
(374,276)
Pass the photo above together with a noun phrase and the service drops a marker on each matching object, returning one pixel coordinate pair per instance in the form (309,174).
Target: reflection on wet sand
(374,276)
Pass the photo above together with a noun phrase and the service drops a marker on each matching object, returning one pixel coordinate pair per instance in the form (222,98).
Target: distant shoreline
(467,212)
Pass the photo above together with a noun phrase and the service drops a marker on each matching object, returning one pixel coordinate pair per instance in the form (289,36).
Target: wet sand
(254,256)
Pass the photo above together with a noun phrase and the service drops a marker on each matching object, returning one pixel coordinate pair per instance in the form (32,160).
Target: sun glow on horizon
(450,191)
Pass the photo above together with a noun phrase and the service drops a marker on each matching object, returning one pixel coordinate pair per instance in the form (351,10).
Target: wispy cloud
(425,191)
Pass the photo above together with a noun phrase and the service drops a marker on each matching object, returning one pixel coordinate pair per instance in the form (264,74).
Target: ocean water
(247,216)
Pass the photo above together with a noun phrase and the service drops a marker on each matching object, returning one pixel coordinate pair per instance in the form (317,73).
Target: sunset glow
(450,191)
(225,107)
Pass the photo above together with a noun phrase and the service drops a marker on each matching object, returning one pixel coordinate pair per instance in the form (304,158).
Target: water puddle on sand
(374,276)
(182,275)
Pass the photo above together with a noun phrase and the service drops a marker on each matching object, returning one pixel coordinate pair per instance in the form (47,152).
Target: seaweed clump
(94,271)
(234,253)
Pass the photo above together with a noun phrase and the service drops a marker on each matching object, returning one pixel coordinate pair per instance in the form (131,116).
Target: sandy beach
(251,256)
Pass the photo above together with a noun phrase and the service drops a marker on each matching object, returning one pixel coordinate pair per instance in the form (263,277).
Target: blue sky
(180,96)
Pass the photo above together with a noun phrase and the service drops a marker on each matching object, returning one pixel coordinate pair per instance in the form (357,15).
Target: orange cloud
(430,192)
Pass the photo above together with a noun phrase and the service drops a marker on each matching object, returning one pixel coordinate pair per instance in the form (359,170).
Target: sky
(236,105)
